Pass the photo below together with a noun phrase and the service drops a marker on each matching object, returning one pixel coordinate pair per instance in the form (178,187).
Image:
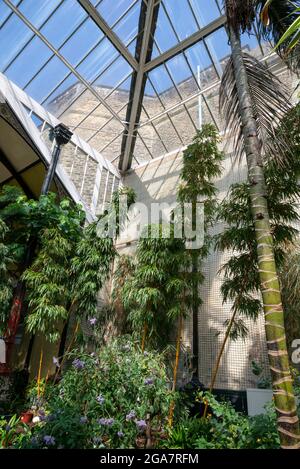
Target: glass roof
(124,74)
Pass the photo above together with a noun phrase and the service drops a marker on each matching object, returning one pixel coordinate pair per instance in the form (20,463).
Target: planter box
(257,399)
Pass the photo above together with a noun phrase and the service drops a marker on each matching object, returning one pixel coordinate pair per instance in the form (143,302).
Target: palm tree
(240,16)
(280,23)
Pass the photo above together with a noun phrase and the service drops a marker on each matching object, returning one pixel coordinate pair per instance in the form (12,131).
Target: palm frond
(240,14)
(276,16)
(270,104)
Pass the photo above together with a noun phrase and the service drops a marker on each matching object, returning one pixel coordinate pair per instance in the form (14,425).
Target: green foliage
(48,284)
(13,432)
(122,199)
(201,166)
(241,279)
(72,261)
(155,293)
(122,274)
(100,396)
(225,428)
(90,267)
(6,279)
(290,277)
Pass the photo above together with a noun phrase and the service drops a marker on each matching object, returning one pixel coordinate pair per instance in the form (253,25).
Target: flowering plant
(116,398)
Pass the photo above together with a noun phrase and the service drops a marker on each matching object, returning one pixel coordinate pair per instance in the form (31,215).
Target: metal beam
(64,61)
(147,25)
(109,33)
(9,166)
(186,43)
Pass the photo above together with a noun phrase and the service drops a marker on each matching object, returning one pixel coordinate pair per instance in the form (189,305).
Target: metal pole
(61,135)
(200,99)
(51,170)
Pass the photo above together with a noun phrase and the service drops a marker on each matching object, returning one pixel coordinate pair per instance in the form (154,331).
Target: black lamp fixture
(61,135)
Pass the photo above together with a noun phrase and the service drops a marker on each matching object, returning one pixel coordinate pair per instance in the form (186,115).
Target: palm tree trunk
(288,422)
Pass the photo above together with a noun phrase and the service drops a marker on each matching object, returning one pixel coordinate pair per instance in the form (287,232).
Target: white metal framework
(123,74)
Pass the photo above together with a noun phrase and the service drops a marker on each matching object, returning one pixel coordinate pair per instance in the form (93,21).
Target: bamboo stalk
(67,351)
(218,362)
(40,369)
(175,370)
(144,337)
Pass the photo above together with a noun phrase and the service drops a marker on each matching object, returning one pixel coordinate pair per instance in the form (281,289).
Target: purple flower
(92,321)
(146,354)
(79,364)
(56,361)
(8,428)
(106,422)
(34,441)
(83,419)
(131,415)
(120,434)
(100,399)
(141,424)
(49,440)
(42,416)
(148,381)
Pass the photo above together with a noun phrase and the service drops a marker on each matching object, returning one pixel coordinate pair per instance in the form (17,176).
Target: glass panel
(152,139)
(141,151)
(168,134)
(151,102)
(65,93)
(14,34)
(37,12)
(76,109)
(205,11)
(111,11)
(50,76)
(182,76)
(181,16)
(29,62)
(250,44)
(127,28)
(163,85)
(118,99)
(37,120)
(87,36)
(201,64)
(113,150)
(111,77)
(109,132)
(5,11)
(131,47)
(219,47)
(96,62)
(68,16)
(184,124)
(165,37)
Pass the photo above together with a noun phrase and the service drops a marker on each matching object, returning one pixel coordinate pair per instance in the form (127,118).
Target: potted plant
(258,397)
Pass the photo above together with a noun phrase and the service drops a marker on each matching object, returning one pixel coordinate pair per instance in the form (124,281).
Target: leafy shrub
(113,399)
(226,428)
